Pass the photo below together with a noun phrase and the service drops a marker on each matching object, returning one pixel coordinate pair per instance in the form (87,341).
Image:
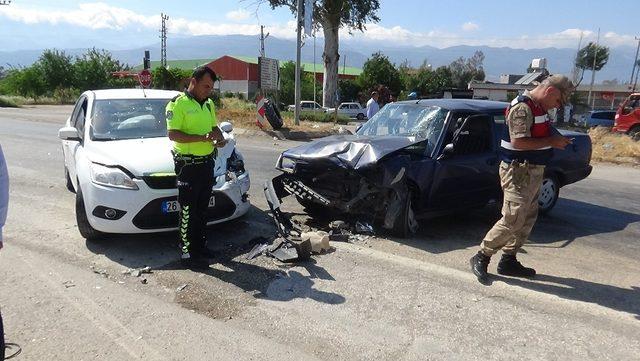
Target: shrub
(228,94)
(7,102)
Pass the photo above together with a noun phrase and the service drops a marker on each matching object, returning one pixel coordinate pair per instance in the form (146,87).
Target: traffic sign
(144,77)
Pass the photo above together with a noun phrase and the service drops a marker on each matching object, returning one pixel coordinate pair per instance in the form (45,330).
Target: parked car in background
(117,160)
(307,105)
(427,157)
(597,118)
(351,110)
(627,118)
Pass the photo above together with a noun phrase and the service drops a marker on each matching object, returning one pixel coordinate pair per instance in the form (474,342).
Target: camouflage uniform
(520,181)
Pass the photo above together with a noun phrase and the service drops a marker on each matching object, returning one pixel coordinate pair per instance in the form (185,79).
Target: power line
(163,42)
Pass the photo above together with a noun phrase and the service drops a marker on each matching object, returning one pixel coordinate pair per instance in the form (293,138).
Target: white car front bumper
(140,211)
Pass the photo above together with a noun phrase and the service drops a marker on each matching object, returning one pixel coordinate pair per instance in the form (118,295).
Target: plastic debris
(364,228)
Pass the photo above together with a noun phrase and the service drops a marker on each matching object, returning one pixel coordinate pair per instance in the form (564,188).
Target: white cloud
(238,15)
(89,15)
(469,26)
(103,16)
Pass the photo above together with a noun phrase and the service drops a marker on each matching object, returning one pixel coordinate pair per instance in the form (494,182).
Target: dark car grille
(160,182)
(333,182)
(151,216)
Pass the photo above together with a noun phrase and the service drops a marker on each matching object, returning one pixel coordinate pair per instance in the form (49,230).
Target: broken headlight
(287,164)
(235,164)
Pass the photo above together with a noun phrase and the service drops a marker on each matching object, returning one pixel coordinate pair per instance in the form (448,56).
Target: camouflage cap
(562,83)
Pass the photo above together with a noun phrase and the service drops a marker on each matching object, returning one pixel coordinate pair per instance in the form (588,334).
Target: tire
(84,227)
(549,193)
(634,133)
(272,115)
(69,183)
(360,116)
(406,224)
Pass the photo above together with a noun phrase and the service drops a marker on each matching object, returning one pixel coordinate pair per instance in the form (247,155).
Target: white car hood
(147,156)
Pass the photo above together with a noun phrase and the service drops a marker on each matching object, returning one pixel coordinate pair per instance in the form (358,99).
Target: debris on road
(180,288)
(137,272)
(364,228)
(68,284)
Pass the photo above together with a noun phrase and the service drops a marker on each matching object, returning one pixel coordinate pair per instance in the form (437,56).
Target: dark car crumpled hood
(353,150)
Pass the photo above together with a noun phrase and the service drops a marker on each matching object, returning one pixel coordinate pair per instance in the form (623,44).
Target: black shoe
(194,262)
(206,253)
(479,264)
(509,266)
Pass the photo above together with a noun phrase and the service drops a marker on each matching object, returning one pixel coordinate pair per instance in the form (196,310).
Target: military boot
(509,266)
(479,264)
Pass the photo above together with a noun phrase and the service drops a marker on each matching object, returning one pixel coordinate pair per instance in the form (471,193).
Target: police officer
(193,128)
(525,149)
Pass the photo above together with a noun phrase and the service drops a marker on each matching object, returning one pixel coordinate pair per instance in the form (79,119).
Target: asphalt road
(64,298)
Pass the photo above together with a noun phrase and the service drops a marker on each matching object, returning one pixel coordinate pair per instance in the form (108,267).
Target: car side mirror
(69,133)
(447,151)
(226,127)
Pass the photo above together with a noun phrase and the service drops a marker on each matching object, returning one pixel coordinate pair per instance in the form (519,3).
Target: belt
(193,159)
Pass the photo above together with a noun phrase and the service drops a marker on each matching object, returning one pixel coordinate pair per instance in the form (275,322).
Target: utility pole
(163,37)
(593,71)
(635,63)
(299,19)
(262,39)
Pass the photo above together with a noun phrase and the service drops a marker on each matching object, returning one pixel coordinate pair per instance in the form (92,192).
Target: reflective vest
(186,114)
(540,128)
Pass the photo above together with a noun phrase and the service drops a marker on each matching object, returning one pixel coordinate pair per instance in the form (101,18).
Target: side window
(353,106)
(79,116)
(473,135)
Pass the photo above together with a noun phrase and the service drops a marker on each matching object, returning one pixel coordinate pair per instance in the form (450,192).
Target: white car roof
(134,94)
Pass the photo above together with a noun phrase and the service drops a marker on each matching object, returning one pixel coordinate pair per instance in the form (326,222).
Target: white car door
(71,147)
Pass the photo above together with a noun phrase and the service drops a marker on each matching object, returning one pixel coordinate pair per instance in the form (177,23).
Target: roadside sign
(269,71)
(144,77)
(261,119)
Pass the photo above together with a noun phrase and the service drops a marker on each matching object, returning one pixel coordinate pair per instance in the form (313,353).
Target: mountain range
(497,61)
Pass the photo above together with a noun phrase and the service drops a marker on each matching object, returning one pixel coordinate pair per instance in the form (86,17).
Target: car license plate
(174,206)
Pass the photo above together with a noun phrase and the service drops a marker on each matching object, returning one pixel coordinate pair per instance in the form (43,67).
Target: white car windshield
(116,119)
(402,119)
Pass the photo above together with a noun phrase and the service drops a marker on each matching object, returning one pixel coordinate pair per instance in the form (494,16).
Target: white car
(307,106)
(351,109)
(117,159)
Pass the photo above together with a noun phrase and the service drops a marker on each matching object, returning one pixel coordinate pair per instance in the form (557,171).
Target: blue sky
(119,24)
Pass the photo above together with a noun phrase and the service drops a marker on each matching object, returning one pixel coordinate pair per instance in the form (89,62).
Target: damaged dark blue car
(416,158)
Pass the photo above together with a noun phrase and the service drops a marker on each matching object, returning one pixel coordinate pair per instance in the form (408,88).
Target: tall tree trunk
(330,27)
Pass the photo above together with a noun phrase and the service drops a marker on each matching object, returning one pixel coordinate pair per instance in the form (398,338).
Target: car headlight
(288,164)
(111,177)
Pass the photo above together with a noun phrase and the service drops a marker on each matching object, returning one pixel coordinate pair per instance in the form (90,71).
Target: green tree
(169,79)
(287,83)
(349,90)
(586,56)
(464,70)
(331,15)
(30,83)
(378,70)
(94,68)
(57,69)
